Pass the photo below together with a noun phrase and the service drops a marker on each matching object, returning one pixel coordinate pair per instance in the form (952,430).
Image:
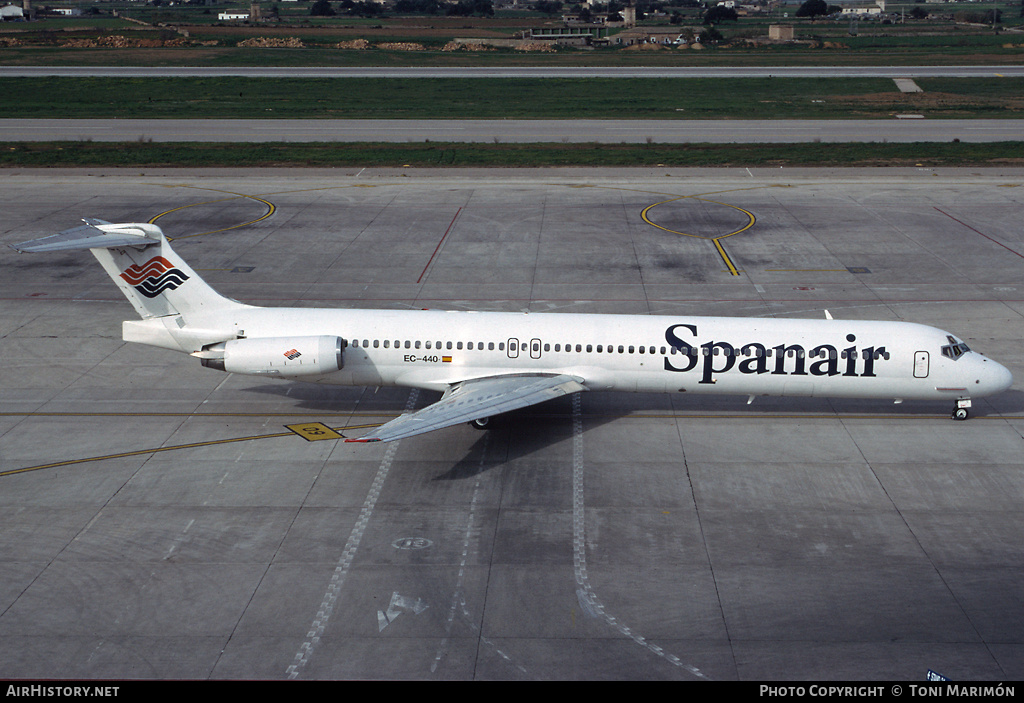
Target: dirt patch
(359,44)
(535,46)
(643,47)
(117,41)
(273,43)
(929,100)
(466,46)
(401,46)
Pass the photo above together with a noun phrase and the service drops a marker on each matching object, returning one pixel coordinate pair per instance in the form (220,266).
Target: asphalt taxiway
(164,520)
(514,131)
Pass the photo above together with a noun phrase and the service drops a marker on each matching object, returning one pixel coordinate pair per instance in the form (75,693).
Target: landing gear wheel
(961,414)
(480,423)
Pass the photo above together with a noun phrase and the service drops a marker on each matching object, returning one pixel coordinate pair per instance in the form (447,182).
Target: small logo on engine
(293,354)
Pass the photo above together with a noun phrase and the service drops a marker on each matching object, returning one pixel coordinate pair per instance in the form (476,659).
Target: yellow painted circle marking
(271,209)
(750,217)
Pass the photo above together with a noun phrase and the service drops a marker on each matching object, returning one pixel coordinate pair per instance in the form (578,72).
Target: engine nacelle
(276,356)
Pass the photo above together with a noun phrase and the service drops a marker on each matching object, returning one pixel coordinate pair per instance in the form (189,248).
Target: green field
(561,99)
(433,155)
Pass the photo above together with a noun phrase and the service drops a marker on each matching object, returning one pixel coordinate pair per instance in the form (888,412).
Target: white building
(11,13)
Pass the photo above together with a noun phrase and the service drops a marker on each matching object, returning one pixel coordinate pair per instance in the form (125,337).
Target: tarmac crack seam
(323,614)
(584,593)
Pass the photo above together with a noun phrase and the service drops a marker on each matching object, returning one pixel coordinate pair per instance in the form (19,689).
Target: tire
(480,423)
(961,414)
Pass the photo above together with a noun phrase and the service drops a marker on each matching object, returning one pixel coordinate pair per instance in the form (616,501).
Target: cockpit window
(954,350)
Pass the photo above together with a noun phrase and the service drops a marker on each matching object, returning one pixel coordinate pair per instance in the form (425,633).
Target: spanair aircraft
(486,363)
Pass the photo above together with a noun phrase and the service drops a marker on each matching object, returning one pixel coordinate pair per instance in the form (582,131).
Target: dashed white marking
(458,602)
(584,593)
(323,614)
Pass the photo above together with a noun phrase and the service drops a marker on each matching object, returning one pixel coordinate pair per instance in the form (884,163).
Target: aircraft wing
(474,399)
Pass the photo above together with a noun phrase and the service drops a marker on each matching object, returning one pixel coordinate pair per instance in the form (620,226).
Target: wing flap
(474,399)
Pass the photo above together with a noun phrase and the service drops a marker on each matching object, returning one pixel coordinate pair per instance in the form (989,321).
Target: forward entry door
(921,364)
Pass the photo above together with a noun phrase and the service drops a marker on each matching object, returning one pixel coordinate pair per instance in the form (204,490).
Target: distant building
(876,9)
(654,35)
(11,13)
(233,15)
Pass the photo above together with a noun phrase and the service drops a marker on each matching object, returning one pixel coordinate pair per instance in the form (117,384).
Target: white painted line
(584,593)
(323,614)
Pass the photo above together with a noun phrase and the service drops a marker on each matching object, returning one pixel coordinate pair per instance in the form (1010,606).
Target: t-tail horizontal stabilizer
(95,234)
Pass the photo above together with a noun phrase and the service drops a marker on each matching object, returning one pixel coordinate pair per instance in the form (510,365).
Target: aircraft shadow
(524,432)
(510,436)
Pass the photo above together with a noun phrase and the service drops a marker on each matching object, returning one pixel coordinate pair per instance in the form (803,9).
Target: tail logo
(154,277)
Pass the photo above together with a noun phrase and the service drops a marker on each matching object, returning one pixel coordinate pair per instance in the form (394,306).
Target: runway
(168,521)
(515,131)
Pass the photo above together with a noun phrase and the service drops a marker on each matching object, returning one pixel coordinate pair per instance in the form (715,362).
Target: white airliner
(486,363)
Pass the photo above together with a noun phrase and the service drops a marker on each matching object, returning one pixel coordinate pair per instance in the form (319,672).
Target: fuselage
(722,355)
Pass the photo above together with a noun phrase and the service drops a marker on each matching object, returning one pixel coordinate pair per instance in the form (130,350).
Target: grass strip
(505,98)
(435,154)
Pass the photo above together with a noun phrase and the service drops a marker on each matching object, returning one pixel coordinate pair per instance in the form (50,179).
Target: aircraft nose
(993,377)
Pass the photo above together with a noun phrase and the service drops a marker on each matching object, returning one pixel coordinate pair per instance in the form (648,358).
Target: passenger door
(921,364)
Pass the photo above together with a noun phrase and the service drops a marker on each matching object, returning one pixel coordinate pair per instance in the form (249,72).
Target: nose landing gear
(962,410)
(480,423)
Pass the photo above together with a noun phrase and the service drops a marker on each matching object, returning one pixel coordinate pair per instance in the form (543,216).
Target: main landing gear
(480,423)
(962,411)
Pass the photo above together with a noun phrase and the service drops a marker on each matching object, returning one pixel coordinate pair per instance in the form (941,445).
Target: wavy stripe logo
(154,277)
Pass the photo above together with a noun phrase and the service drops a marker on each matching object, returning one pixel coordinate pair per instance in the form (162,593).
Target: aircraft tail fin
(140,260)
